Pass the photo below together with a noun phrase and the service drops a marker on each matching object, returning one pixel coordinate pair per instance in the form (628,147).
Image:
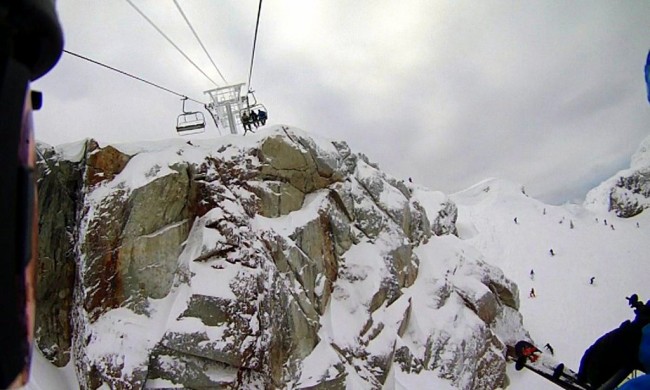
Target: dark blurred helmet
(33,28)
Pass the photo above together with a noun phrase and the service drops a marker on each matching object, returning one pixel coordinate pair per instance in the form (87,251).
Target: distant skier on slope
(532,275)
(549,348)
(532,293)
(622,350)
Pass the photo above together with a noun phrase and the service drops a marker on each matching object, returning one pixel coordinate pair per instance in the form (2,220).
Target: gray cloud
(549,95)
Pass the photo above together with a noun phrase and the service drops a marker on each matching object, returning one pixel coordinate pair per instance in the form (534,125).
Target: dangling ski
(529,356)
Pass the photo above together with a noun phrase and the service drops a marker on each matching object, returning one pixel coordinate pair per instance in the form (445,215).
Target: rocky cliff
(628,192)
(272,261)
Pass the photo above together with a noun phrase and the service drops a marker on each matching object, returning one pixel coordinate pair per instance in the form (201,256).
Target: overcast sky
(548,94)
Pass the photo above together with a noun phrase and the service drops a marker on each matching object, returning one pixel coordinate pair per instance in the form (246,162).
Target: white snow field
(568,312)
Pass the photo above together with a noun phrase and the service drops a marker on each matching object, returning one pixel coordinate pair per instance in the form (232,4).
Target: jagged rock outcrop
(445,221)
(274,261)
(631,194)
(628,192)
(59,186)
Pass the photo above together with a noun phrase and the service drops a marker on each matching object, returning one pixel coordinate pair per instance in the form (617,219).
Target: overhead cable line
(257,24)
(199,40)
(130,75)
(170,41)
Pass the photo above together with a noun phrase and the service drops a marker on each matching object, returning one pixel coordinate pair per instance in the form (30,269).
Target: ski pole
(615,380)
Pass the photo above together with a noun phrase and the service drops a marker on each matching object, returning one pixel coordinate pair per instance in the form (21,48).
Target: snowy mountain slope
(568,312)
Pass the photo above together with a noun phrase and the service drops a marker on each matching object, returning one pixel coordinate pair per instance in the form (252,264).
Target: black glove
(616,350)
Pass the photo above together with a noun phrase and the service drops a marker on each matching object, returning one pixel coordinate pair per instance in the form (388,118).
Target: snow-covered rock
(271,261)
(627,193)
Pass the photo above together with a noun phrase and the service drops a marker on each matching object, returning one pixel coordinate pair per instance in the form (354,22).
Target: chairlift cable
(199,40)
(170,41)
(129,75)
(257,24)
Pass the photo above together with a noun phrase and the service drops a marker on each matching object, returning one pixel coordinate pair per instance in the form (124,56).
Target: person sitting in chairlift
(246,122)
(255,119)
(262,116)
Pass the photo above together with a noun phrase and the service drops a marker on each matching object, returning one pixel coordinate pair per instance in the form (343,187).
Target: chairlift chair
(190,122)
(259,107)
(253,104)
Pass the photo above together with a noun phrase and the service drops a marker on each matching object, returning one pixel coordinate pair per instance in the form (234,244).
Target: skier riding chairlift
(253,104)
